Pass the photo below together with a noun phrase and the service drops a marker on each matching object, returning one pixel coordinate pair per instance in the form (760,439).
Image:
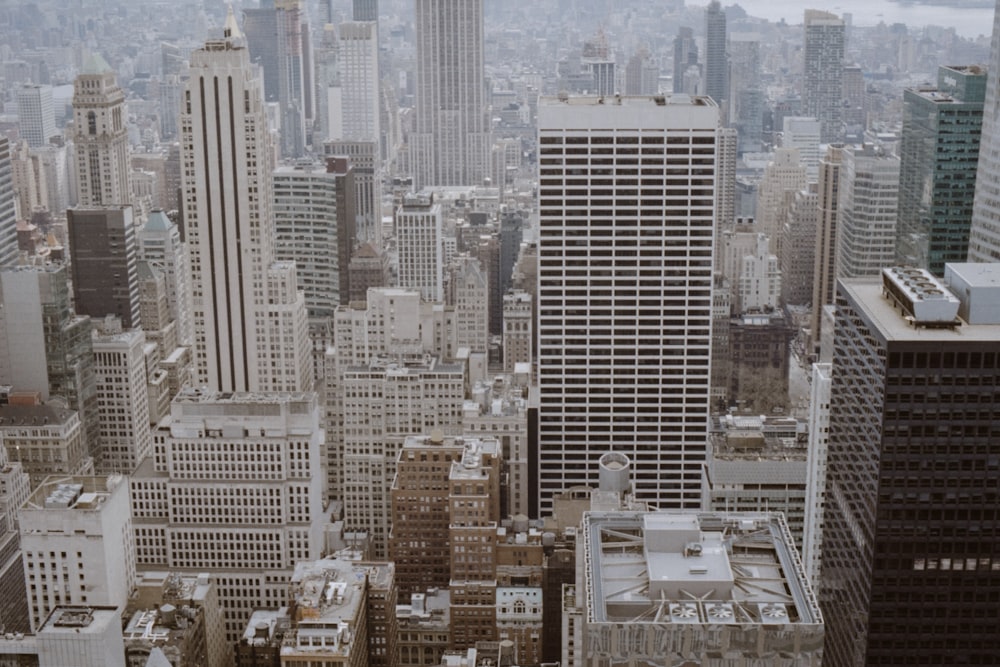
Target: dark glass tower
(911,541)
(716,61)
(938,159)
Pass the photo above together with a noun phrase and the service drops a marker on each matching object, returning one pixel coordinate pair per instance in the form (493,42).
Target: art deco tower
(451,145)
(102,156)
(250,320)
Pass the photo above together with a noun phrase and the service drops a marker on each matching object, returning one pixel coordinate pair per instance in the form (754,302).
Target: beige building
(518,326)
(45,440)
(122,400)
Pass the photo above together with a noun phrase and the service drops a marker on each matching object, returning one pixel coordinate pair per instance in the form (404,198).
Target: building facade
(823,78)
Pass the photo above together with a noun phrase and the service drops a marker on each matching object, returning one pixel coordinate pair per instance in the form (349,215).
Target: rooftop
(79,493)
(677,568)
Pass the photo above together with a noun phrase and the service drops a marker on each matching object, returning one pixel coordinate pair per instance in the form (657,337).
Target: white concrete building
(625,289)
(419,238)
(819,434)
(359,81)
(159,243)
(469,295)
(232,490)
(36,115)
(227,161)
(78,545)
(803,133)
(83,636)
(122,400)
(783,177)
(867,210)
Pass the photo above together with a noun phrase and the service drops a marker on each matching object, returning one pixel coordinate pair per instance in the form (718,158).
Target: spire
(231,29)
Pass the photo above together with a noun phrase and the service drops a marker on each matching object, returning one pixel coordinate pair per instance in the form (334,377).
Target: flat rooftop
(675,567)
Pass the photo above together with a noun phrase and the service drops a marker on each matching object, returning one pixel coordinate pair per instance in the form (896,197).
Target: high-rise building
(783,177)
(104,263)
(939,152)
(803,133)
(869,200)
(365,10)
(219,451)
(160,245)
(797,243)
(91,564)
(103,171)
(716,58)
(823,79)
(518,319)
(277,36)
(819,436)
(36,115)
(359,82)
(642,74)
(451,141)
(122,400)
(685,56)
(8,207)
(14,491)
(910,522)
(251,331)
(625,291)
(746,91)
(824,273)
(984,234)
(314,221)
(365,165)
(419,231)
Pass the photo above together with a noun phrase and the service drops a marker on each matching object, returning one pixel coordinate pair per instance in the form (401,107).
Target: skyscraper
(869,199)
(716,59)
(160,244)
(35,115)
(939,153)
(105,270)
(243,305)
(823,79)
(625,290)
(910,524)
(685,55)
(421,252)
(103,172)
(824,272)
(451,142)
(8,207)
(365,10)
(984,234)
(359,81)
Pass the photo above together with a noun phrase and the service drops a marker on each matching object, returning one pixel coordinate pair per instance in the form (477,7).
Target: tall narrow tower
(822,88)
(625,290)
(101,139)
(451,145)
(716,60)
(227,162)
(984,234)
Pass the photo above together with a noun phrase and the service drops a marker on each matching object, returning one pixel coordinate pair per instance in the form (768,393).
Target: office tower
(103,171)
(678,586)
(418,543)
(685,56)
(368,268)
(104,263)
(122,400)
(804,134)
(359,82)
(819,436)
(154,311)
(716,58)
(939,152)
(160,245)
(474,516)
(823,79)
(910,523)
(984,233)
(625,291)
(598,65)
(250,323)
(421,253)
(855,115)
(8,207)
(797,243)
(727,144)
(14,491)
(365,10)
(642,74)
(222,450)
(518,321)
(277,36)
(746,91)
(751,269)
(169,106)
(450,144)
(384,402)
(91,564)
(498,408)
(468,294)
(869,199)
(314,217)
(783,177)
(366,166)
(824,273)
(36,115)
(45,347)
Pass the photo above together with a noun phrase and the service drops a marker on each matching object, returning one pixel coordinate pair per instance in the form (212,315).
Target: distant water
(969,21)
